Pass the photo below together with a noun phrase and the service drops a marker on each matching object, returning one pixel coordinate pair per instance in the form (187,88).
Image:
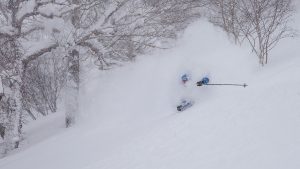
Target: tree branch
(38,54)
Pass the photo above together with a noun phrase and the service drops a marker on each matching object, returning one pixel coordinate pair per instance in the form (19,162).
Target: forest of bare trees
(261,23)
(44,43)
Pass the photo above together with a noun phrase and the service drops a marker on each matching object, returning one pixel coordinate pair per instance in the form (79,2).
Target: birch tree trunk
(73,79)
(72,88)
(13,124)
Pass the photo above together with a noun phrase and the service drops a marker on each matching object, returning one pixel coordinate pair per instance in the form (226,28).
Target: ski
(184,105)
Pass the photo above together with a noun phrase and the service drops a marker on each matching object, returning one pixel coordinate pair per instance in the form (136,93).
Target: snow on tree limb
(39,53)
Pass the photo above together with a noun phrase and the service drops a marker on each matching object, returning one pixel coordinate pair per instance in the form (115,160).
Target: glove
(200,83)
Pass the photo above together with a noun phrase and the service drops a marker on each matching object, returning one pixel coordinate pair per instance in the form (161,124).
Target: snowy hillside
(129,118)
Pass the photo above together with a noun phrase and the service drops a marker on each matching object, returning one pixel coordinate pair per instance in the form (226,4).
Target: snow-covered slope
(129,118)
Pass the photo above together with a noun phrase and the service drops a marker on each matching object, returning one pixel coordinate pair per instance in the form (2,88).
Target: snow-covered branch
(39,53)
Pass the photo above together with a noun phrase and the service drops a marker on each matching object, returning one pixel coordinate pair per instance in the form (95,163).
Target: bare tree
(113,32)
(263,23)
(45,78)
(20,22)
(223,13)
(116,31)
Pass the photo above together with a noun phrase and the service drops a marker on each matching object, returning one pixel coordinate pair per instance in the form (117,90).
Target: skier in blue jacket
(186,103)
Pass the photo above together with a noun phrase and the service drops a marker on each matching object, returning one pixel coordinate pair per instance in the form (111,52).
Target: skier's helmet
(184,78)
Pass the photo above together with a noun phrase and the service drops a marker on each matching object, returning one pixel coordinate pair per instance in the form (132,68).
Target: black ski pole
(226,84)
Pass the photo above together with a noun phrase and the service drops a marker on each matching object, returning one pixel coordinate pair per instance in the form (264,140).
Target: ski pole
(226,84)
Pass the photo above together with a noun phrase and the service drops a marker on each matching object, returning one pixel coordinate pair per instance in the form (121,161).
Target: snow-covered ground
(129,118)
